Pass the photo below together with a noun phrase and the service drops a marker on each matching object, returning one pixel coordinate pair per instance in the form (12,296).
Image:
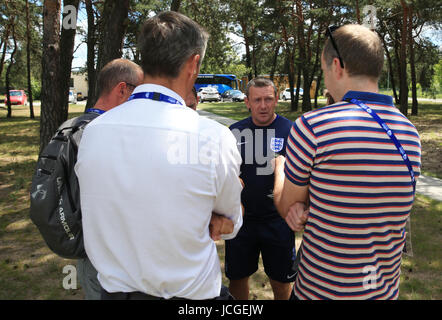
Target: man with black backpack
(151,174)
(57,214)
(55,196)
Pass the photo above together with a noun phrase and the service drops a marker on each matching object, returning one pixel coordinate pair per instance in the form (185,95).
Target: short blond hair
(360,48)
(261,82)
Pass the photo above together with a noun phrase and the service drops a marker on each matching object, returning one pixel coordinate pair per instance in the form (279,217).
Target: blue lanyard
(154,96)
(93,110)
(392,137)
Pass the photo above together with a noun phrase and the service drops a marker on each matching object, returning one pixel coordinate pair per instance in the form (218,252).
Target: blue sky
(80,56)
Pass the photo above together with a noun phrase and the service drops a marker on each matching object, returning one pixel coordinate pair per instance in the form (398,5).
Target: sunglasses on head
(328,33)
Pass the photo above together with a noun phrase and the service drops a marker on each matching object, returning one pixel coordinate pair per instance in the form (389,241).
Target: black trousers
(224,295)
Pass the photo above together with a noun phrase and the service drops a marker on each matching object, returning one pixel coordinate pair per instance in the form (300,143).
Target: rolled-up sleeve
(300,152)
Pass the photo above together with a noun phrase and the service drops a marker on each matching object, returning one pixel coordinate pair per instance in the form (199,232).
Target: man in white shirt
(151,173)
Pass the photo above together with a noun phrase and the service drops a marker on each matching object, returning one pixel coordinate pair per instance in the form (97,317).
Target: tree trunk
(298,85)
(289,66)
(28,61)
(414,107)
(67,41)
(7,30)
(247,44)
(255,67)
(114,25)
(316,67)
(274,60)
(114,28)
(175,6)
(318,84)
(5,47)
(358,13)
(403,61)
(306,102)
(91,42)
(390,68)
(51,106)
(396,48)
(8,72)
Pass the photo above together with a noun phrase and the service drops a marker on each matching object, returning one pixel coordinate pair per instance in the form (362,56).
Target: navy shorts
(273,239)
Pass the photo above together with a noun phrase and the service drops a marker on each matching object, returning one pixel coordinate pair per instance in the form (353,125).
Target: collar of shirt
(254,126)
(149,87)
(369,97)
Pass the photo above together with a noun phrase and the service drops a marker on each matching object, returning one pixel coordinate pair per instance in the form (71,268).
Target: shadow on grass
(28,269)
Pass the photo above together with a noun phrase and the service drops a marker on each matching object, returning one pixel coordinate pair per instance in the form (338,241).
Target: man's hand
(219,225)
(297,216)
(278,164)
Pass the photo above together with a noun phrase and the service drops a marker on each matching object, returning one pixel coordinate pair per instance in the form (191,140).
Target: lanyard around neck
(392,137)
(94,110)
(154,96)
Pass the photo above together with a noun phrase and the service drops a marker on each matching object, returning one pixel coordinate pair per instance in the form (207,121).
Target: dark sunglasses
(328,33)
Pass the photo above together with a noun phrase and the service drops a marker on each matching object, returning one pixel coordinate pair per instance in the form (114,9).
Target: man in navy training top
(260,138)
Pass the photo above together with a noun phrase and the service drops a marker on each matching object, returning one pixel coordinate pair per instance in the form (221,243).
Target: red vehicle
(17,97)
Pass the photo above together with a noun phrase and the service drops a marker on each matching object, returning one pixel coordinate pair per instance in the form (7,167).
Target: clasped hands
(221,225)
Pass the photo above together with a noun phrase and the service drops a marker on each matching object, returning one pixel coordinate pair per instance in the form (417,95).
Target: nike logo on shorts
(291,276)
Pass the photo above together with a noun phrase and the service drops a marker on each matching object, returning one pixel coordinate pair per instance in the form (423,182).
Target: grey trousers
(87,276)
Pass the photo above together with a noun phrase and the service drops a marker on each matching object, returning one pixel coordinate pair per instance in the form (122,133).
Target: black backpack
(55,194)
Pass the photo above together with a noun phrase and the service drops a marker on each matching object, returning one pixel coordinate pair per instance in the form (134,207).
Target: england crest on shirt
(276,144)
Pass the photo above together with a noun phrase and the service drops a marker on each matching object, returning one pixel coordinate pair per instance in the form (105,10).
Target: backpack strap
(63,134)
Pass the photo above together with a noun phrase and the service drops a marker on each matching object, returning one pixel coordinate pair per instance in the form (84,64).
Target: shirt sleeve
(300,152)
(227,184)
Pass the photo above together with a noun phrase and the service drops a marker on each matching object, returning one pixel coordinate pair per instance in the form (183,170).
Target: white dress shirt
(150,175)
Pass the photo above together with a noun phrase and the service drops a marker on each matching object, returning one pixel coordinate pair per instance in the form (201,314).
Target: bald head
(116,71)
(116,82)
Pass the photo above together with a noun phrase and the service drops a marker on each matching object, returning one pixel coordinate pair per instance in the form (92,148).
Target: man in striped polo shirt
(348,183)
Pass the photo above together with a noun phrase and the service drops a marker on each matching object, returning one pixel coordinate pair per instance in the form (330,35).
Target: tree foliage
(247,38)
(14,11)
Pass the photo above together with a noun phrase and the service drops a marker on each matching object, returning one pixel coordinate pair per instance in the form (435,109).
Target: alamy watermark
(370,19)
(70,280)
(69,17)
(370,281)
(260,147)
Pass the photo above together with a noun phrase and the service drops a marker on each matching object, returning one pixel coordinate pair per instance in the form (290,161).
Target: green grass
(29,270)
(421,276)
